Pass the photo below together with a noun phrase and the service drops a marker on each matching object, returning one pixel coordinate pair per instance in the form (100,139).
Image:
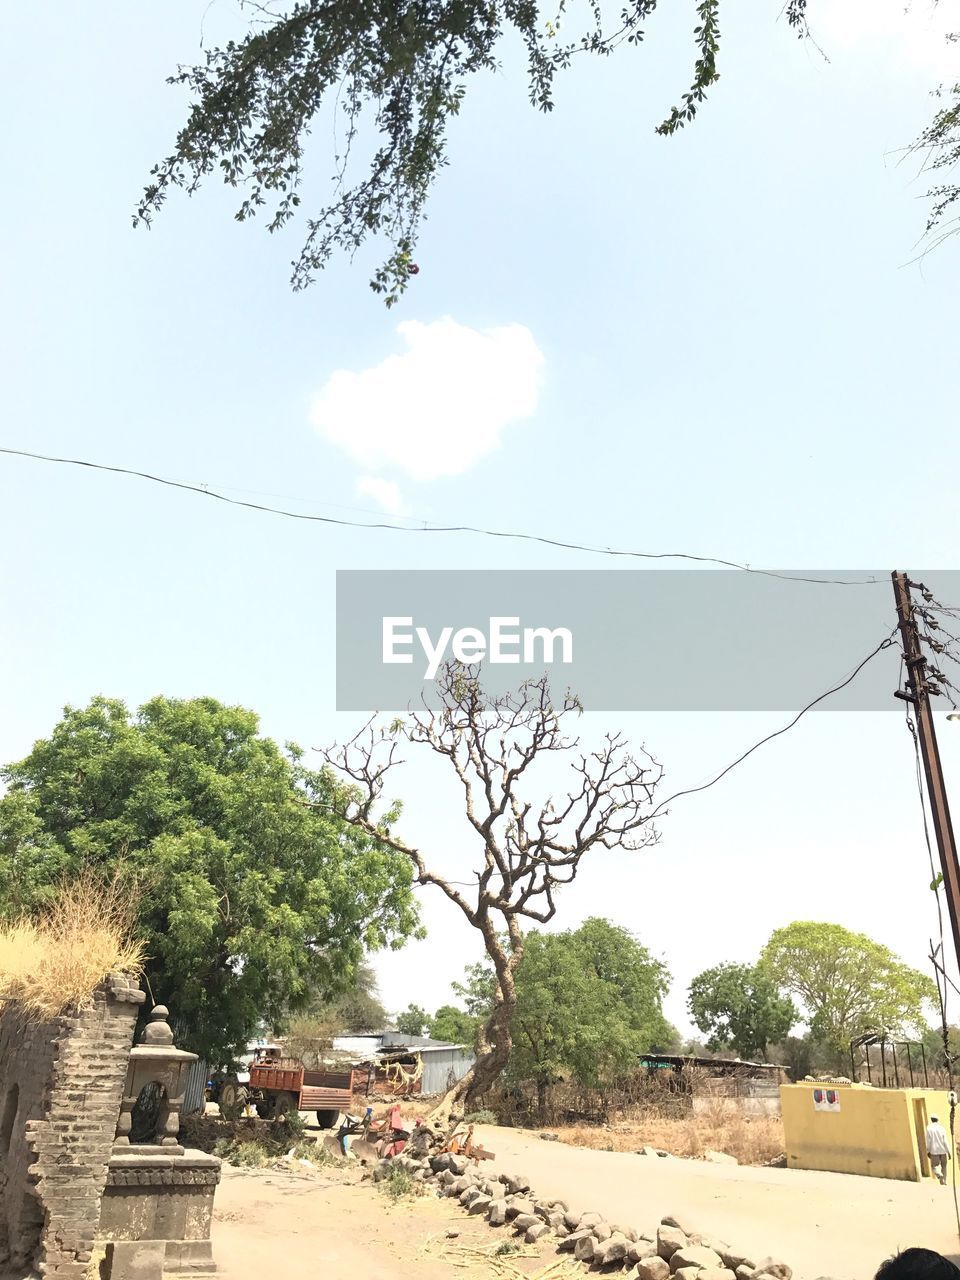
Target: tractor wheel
(328,1119)
(285,1105)
(233,1100)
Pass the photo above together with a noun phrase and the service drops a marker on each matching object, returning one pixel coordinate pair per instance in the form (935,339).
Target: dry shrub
(57,959)
(686,1112)
(750,1139)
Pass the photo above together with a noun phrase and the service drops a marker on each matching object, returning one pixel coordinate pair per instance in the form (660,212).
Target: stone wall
(61,1082)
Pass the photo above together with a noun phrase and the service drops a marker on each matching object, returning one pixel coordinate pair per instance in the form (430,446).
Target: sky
(721,343)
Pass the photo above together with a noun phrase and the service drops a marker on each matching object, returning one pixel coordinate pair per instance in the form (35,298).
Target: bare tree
(526,851)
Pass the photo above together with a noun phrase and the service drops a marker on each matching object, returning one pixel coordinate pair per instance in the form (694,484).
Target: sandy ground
(822,1224)
(278,1224)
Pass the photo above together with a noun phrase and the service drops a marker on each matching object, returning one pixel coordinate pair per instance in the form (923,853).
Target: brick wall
(61,1082)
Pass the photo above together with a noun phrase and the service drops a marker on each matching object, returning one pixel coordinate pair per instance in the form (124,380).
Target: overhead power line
(426,528)
(886,643)
(690,791)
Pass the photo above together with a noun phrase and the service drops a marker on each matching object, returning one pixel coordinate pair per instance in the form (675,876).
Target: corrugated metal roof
(409,1050)
(679,1060)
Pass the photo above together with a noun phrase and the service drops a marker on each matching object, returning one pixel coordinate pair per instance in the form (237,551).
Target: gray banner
(644,640)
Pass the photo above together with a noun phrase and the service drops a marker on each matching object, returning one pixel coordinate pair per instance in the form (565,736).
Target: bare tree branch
(526,851)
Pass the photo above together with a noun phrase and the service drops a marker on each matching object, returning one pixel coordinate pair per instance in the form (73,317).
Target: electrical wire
(689,791)
(206,492)
(886,643)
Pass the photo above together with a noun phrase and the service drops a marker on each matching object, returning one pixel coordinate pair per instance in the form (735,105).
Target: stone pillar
(158,1202)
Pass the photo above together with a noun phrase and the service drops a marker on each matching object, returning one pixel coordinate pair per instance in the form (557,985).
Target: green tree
(359,1008)
(309,1033)
(399,73)
(801,1055)
(256,901)
(737,1006)
(939,1058)
(413,1021)
(452,1026)
(588,1004)
(847,984)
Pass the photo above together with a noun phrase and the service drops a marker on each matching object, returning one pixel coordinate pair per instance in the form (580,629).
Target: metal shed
(443,1066)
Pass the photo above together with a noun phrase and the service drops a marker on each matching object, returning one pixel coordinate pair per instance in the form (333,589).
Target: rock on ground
(523,1221)
(612,1250)
(669,1240)
(516,1205)
(680,1224)
(497,1213)
(694,1255)
(585,1248)
(654,1268)
(771,1267)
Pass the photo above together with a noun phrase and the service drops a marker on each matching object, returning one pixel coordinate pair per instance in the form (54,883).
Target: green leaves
(847,983)
(413,1021)
(256,899)
(588,1004)
(452,1026)
(705,74)
(738,1006)
(399,72)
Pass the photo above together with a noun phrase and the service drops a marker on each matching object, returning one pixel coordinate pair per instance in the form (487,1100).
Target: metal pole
(910,1064)
(919,694)
(883,1059)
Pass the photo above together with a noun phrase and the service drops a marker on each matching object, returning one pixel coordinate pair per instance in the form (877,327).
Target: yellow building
(855,1128)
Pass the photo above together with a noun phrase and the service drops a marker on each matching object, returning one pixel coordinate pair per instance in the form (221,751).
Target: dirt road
(280,1225)
(822,1224)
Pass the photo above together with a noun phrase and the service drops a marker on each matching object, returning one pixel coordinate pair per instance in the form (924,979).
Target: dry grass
(56,960)
(499,1259)
(721,1127)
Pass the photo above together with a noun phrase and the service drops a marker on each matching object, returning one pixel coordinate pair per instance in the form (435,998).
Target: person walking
(938,1149)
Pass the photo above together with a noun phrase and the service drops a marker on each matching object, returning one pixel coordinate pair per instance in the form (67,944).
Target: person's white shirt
(937,1142)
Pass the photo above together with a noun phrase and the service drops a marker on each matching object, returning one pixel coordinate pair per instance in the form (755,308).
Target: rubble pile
(507,1201)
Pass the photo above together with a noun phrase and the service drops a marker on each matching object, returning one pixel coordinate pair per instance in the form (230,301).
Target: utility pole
(918,692)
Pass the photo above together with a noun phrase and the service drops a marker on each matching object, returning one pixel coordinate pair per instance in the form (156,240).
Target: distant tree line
(259,903)
(589,1003)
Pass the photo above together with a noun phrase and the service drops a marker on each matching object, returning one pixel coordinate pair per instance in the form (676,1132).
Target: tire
(328,1119)
(233,1100)
(285,1104)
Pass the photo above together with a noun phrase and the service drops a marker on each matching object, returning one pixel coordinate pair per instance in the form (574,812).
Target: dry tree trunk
(527,852)
(495,1039)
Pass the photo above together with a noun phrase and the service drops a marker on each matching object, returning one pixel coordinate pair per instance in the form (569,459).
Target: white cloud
(385,493)
(909,34)
(439,407)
